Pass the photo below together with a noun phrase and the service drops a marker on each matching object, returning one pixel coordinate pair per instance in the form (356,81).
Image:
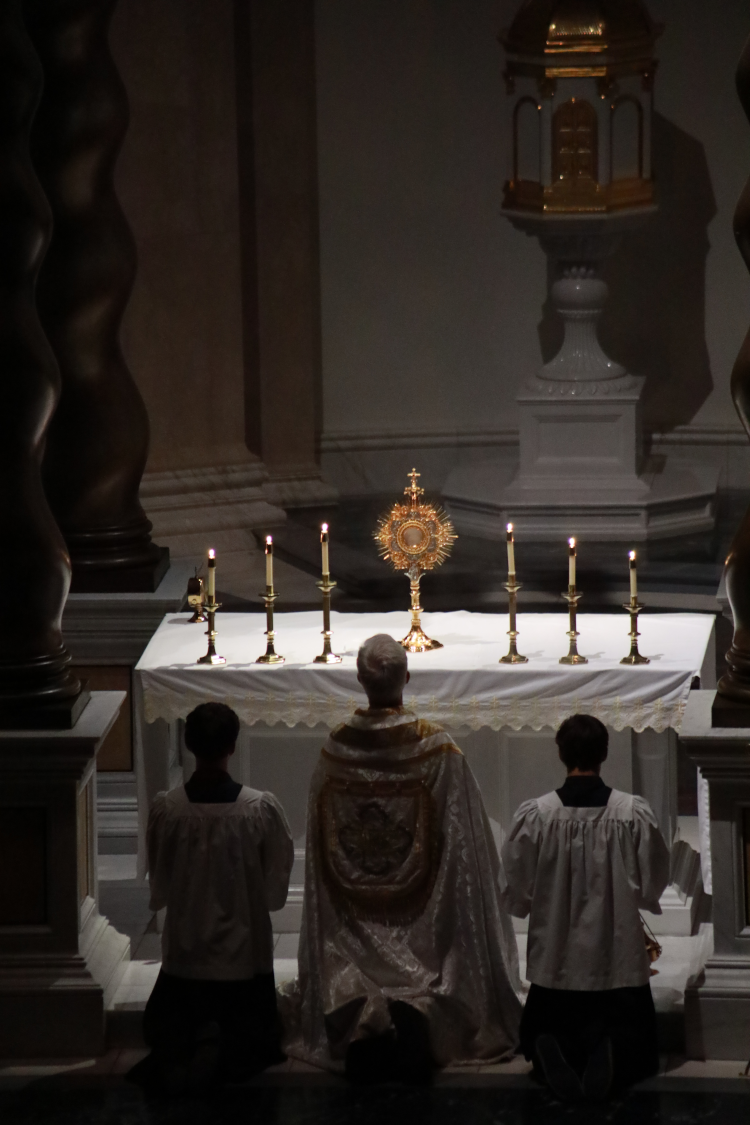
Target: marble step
(682,958)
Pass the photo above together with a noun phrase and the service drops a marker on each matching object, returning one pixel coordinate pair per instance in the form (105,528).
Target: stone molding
(221,501)
(352,441)
(299,487)
(346,441)
(115,628)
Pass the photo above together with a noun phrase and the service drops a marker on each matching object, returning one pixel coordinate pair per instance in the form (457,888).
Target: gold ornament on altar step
(415,537)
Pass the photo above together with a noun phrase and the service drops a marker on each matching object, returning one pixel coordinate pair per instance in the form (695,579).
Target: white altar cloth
(459,685)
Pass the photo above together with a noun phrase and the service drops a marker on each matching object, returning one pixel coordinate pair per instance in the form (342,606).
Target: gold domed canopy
(550,29)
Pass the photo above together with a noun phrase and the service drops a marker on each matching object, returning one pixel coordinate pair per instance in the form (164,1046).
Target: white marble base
(57,971)
(677,500)
(105,950)
(717,1011)
(717,1003)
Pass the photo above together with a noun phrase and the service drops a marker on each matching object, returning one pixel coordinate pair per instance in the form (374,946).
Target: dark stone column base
(118,579)
(61,714)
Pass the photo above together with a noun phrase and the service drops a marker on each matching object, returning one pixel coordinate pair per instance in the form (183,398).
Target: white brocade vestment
(402,898)
(218,869)
(581,875)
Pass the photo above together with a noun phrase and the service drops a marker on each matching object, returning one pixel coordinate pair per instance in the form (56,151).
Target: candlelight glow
(571,543)
(269,539)
(509,528)
(631,556)
(324,527)
(212,554)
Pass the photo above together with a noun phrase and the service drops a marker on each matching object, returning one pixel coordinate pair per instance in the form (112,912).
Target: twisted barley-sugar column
(98,440)
(735,683)
(34,564)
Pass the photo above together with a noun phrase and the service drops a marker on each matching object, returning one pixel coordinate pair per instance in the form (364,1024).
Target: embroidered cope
(402,890)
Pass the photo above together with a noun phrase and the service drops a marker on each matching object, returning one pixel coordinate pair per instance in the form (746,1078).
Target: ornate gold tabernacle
(580,74)
(415,537)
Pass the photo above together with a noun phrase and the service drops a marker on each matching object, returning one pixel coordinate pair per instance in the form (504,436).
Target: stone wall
(432,305)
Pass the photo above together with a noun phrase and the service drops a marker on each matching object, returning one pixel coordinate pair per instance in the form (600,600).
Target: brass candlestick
(416,640)
(512,656)
(634,656)
(211,657)
(195,596)
(269,656)
(327,657)
(572,598)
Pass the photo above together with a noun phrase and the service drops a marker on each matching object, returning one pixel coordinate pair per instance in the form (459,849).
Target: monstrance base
(417,641)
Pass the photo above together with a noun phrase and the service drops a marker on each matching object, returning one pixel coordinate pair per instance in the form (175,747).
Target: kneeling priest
(407,960)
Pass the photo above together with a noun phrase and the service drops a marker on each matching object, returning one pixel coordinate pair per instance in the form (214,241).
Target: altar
(503,716)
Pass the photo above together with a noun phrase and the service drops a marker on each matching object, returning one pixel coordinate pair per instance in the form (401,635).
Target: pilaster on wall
(177,179)
(277,162)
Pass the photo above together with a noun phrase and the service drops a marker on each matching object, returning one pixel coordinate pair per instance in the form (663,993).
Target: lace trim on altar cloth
(659,714)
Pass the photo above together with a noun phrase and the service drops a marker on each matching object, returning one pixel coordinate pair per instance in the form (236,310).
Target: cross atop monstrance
(413,490)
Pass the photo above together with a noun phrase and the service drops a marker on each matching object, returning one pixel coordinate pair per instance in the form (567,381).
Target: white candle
(212,575)
(324,548)
(571,562)
(511,551)
(269,560)
(633,576)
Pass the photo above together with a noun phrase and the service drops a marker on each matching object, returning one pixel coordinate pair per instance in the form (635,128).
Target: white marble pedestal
(581,469)
(717,1003)
(60,960)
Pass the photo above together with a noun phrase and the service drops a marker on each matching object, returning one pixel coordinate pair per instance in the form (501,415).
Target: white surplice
(581,875)
(218,868)
(402,898)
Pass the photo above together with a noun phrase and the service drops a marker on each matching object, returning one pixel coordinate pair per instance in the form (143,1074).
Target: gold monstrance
(415,537)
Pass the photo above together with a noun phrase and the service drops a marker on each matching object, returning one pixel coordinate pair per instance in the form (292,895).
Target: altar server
(407,960)
(220,855)
(580,862)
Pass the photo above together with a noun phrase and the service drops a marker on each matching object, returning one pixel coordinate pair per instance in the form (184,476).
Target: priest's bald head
(382,671)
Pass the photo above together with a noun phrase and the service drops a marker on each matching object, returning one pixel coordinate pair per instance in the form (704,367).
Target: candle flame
(324,527)
(572,544)
(631,556)
(212,554)
(509,528)
(269,540)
